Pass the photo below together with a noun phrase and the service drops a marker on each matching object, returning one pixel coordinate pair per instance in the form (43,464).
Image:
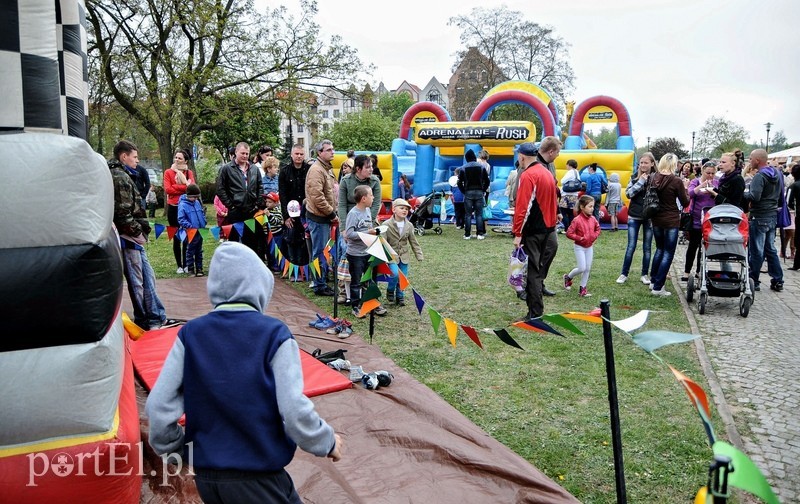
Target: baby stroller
(423,215)
(725,271)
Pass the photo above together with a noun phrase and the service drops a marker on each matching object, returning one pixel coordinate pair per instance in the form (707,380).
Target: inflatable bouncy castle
(69,425)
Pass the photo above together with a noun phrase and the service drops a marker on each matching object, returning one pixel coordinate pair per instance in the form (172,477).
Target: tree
(719,135)
(516,48)
(256,124)
(392,106)
(778,142)
(364,130)
(661,146)
(170,65)
(606,138)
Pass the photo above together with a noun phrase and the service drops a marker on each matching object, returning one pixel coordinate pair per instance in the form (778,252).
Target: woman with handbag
(570,190)
(636,220)
(666,220)
(701,197)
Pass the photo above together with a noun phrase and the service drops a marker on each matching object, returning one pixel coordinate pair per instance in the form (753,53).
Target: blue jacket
(190,213)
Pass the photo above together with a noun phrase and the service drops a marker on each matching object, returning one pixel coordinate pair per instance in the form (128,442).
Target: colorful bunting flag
(371,292)
(473,335)
(559,320)
(436,320)
(745,474)
(368,306)
(418,301)
(251,224)
(536,325)
(653,340)
(403,280)
(506,338)
(631,324)
(594,319)
(452,330)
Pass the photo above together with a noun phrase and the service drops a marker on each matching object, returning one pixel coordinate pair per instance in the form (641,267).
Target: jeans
(596,212)
(194,254)
(148,311)
(358,265)
(320,234)
(473,202)
(762,245)
(394,281)
(666,242)
(633,237)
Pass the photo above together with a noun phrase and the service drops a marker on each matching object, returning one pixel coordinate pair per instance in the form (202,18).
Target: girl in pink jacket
(583,230)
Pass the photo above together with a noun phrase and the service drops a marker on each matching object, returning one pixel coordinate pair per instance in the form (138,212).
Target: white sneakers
(467,237)
(621,279)
(661,293)
(481,237)
(180,271)
(645,280)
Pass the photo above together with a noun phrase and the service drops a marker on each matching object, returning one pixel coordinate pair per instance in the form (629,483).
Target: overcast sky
(672,63)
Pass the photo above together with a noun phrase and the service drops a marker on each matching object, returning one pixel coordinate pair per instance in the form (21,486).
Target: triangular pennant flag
(159,229)
(653,340)
(473,335)
(746,474)
(376,250)
(286,267)
(403,280)
(436,320)
(696,393)
(506,338)
(181,235)
(418,301)
(372,292)
(206,233)
(595,319)
(171,230)
(317,272)
(326,253)
(226,229)
(559,320)
(452,330)
(368,306)
(190,234)
(524,324)
(631,324)
(260,218)
(385,269)
(367,276)
(239,228)
(368,239)
(251,224)
(538,325)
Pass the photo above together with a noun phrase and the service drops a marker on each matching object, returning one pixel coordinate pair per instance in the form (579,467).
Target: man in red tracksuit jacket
(536,215)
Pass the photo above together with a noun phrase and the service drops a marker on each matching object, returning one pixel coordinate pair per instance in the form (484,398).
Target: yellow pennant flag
(452,330)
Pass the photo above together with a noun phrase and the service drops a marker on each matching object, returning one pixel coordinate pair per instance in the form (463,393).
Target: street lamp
(767,147)
(648,144)
(692,158)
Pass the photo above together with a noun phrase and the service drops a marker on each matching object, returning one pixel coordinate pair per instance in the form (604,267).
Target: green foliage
(778,142)
(393,106)
(245,119)
(606,138)
(364,130)
(663,145)
(206,170)
(719,135)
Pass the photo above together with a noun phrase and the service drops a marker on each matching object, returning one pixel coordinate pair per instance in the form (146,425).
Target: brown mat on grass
(403,443)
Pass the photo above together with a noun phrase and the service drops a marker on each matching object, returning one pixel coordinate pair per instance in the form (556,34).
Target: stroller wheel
(420,231)
(701,305)
(690,289)
(438,230)
(744,305)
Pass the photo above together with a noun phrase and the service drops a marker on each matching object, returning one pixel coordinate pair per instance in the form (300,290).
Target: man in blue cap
(536,215)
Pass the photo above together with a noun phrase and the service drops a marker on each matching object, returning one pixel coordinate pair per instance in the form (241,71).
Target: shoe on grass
(621,279)
(645,279)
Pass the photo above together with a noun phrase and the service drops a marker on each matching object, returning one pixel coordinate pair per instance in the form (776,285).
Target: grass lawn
(548,403)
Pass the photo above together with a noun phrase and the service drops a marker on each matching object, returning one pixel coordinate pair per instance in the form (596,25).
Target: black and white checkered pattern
(44,83)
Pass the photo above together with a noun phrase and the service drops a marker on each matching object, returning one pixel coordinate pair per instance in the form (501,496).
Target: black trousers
(228,487)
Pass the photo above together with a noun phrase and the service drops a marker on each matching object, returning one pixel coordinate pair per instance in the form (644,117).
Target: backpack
(603,185)
(651,201)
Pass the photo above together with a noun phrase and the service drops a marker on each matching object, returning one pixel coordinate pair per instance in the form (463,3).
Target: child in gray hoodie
(235,372)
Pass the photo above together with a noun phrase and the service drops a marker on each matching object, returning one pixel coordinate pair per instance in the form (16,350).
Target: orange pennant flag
(368,306)
(473,335)
(403,280)
(452,330)
(286,267)
(171,230)
(693,390)
(190,235)
(583,316)
(522,325)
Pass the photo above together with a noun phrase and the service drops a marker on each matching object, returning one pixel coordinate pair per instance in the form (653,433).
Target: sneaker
(381,311)
(662,292)
(188,271)
(776,286)
(356,373)
(341,299)
(325,291)
(346,332)
(584,293)
(621,279)
(180,271)
(199,273)
(401,301)
(357,313)
(340,365)
(467,237)
(645,280)
(172,323)
(567,282)
(481,237)
(390,297)
(317,321)
(325,323)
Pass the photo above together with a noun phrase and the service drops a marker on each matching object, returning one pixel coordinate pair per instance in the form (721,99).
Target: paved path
(756,362)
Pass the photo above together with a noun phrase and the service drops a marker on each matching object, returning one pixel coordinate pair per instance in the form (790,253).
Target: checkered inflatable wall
(44,83)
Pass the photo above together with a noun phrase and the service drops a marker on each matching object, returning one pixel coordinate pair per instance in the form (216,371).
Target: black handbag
(686,221)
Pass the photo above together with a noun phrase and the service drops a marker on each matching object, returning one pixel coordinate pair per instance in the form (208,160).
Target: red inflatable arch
(623,119)
(426,106)
(548,123)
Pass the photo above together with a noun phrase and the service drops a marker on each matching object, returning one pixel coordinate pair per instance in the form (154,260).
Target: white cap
(453,181)
(293,208)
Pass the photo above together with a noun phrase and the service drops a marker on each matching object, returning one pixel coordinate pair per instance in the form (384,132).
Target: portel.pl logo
(113,461)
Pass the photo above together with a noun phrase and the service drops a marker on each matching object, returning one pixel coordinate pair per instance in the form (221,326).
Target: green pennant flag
(653,340)
(372,292)
(745,474)
(367,276)
(562,321)
(436,320)
(251,223)
(204,232)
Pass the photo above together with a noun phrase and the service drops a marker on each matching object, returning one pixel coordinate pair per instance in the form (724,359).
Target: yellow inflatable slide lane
(386,163)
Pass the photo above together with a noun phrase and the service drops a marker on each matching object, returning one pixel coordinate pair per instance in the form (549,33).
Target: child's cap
(293,208)
(192,190)
(273,196)
(400,202)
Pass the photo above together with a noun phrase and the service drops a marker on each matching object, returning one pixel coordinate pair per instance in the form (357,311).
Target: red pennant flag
(171,230)
(473,335)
